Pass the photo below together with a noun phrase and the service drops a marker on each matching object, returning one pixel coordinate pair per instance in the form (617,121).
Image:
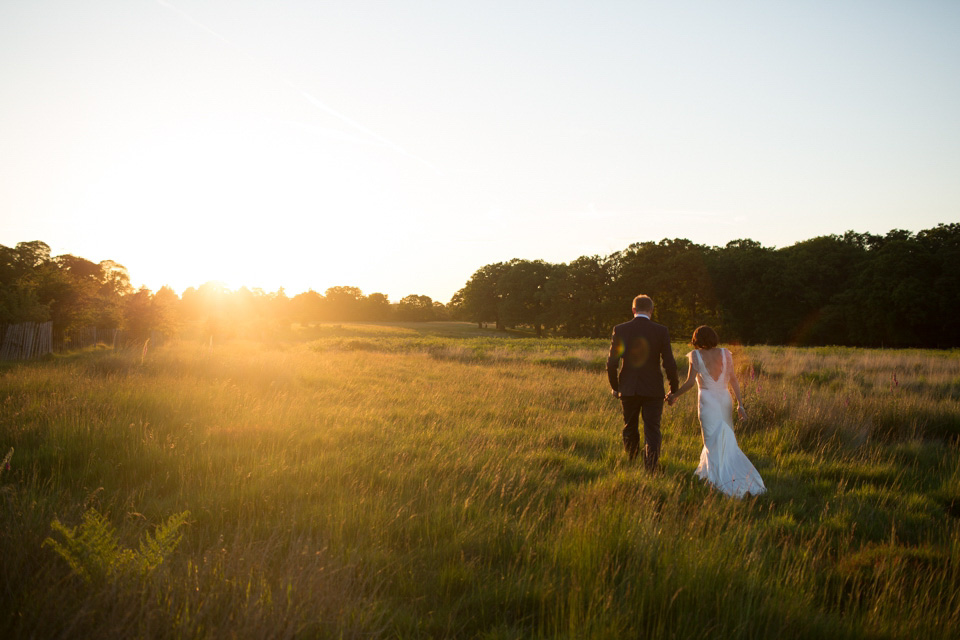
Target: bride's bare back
(713,361)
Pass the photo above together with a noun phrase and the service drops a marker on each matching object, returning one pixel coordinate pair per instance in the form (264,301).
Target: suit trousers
(651,409)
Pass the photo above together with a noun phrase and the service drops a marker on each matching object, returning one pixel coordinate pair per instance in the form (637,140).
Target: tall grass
(391,481)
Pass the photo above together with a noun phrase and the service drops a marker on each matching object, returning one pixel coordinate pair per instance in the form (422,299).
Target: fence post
(44,344)
(8,339)
(26,336)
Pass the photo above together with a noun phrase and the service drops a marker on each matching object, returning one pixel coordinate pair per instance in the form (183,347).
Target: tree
(307,307)
(376,306)
(85,294)
(440,311)
(815,274)
(23,271)
(943,244)
(279,308)
(415,308)
(33,254)
(166,311)
(523,289)
(139,315)
(455,307)
(209,303)
(672,272)
(579,297)
(748,288)
(686,288)
(343,303)
(479,300)
(891,300)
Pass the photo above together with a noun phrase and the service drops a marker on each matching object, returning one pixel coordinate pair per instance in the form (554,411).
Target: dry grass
(438,481)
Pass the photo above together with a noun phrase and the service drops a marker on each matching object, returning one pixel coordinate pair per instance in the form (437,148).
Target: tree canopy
(899,290)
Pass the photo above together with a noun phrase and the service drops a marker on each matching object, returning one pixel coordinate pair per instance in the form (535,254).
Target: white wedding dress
(722,463)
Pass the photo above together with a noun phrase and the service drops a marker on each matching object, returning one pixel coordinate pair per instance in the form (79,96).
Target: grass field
(442,481)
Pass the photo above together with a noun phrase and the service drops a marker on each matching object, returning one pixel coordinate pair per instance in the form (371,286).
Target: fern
(93,550)
(154,549)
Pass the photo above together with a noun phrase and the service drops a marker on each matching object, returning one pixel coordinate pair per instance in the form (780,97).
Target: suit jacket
(641,345)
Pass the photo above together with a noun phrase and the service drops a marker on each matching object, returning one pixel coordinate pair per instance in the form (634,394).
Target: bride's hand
(741,412)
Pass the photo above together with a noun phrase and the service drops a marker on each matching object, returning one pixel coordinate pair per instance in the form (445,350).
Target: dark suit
(641,345)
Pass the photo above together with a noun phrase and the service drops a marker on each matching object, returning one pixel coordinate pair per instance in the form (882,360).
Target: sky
(398,146)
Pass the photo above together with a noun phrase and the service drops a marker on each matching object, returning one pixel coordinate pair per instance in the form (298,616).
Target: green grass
(442,481)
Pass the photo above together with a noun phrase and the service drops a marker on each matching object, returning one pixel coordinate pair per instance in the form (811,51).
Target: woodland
(901,289)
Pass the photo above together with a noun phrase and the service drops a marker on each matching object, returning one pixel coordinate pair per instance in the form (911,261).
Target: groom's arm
(669,364)
(613,360)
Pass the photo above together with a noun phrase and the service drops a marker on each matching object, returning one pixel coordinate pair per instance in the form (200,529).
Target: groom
(641,345)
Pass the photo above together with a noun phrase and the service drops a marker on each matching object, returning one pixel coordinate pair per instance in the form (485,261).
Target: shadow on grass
(486,351)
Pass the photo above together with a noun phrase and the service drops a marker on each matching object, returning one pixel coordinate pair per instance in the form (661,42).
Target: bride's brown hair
(704,337)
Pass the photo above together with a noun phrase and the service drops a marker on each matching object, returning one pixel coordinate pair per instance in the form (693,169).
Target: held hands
(671,398)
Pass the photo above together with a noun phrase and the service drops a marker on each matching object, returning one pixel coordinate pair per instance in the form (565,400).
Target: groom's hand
(615,393)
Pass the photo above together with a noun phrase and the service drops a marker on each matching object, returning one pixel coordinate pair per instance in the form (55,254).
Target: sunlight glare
(263,205)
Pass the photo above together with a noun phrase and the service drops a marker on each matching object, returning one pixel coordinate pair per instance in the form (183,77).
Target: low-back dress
(722,463)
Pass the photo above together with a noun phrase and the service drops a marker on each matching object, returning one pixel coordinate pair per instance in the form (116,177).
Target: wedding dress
(722,463)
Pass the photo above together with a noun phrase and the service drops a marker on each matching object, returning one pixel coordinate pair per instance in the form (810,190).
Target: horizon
(398,148)
(394,299)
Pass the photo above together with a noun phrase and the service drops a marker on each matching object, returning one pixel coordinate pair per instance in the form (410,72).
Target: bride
(722,463)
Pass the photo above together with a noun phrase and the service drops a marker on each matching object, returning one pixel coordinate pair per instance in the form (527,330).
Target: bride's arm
(690,381)
(736,387)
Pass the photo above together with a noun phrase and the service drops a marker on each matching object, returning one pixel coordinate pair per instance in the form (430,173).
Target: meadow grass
(442,481)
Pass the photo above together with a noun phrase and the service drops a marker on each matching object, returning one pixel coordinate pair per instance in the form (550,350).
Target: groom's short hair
(643,303)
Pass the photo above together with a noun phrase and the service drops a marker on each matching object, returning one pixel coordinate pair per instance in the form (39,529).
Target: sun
(250,203)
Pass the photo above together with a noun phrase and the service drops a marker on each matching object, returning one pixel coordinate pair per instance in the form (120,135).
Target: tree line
(901,289)
(76,294)
(71,292)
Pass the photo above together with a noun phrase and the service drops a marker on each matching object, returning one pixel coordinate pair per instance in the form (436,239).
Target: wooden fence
(125,340)
(31,340)
(78,339)
(27,340)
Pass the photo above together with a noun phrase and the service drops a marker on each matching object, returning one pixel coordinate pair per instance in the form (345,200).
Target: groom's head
(643,304)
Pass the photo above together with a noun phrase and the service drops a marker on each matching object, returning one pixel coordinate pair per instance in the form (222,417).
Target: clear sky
(398,146)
